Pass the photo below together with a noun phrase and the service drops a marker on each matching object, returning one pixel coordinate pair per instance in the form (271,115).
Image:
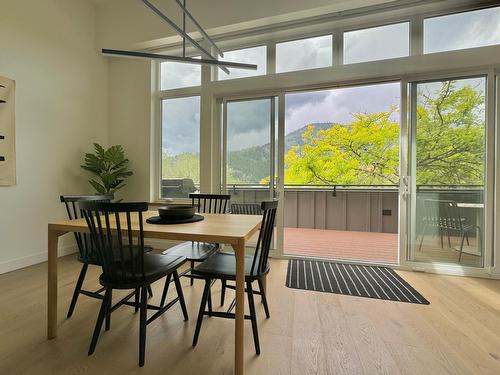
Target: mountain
(251,165)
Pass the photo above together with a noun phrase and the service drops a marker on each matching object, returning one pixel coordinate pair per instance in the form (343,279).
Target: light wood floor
(308,333)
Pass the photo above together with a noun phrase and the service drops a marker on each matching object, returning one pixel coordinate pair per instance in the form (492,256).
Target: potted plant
(110,166)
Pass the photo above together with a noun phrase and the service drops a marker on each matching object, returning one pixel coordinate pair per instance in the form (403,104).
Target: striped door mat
(351,279)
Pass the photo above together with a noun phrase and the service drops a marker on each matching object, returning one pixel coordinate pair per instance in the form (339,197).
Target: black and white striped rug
(351,279)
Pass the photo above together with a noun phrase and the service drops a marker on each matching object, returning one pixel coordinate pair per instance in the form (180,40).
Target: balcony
(355,222)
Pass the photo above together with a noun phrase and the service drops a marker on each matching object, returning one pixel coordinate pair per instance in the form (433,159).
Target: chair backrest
(210,203)
(261,255)
(246,209)
(443,214)
(111,227)
(71,202)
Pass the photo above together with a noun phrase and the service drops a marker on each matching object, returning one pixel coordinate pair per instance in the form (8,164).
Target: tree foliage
(450,144)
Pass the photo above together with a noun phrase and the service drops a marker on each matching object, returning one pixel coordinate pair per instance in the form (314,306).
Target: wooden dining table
(234,230)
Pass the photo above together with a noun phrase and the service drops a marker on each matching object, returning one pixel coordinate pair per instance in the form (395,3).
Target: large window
(377,43)
(462,30)
(304,54)
(176,75)
(180,166)
(254,55)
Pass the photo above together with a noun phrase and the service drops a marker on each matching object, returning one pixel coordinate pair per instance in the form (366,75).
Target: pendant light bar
(198,26)
(187,60)
(182,33)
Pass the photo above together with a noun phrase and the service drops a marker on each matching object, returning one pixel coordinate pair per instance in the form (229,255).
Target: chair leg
(165,290)
(192,280)
(137,298)
(422,237)
(461,247)
(264,298)
(142,325)
(150,291)
(253,317)
(449,241)
(108,312)
(100,319)
(180,295)
(78,287)
(210,297)
(202,310)
(223,292)
(441,235)
(467,239)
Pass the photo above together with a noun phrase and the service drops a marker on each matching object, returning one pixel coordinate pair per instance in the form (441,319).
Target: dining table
(233,230)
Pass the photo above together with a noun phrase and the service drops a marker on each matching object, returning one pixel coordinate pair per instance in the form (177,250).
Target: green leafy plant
(110,166)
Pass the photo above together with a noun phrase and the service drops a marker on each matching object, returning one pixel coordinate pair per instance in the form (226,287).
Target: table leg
(53,237)
(239,249)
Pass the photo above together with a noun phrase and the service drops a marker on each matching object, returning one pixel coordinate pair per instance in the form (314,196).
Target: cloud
(338,105)
(181,129)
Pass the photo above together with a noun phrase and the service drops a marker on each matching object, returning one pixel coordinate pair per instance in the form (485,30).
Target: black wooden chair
(129,268)
(445,216)
(223,266)
(246,209)
(86,252)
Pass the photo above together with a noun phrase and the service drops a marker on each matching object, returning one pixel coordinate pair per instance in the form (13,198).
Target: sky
(248,122)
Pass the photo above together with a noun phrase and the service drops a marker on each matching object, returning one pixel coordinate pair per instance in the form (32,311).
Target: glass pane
(314,53)
(254,55)
(180,147)
(176,75)
(377,43)
(342,173)
(448,201)
(462,30)
(248,136)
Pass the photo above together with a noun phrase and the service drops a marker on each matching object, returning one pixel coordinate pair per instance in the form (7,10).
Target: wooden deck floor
(345,245)
(308,332)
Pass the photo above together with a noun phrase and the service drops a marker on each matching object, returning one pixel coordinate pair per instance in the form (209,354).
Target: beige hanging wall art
(7,132)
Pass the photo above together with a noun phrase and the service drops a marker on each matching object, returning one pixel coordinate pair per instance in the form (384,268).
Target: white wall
(49,48)
(130,121)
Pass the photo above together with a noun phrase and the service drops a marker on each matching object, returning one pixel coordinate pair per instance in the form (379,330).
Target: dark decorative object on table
(176,211)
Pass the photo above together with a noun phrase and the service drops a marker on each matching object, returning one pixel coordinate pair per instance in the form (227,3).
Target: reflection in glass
(377,43)
(180,146)
(254,55)
(304,54)
(462,30)
(248,137)
(176,75)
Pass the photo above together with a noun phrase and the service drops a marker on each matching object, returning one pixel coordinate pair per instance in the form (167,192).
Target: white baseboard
(29,260)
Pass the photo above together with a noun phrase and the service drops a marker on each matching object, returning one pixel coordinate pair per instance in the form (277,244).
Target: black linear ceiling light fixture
(209,60)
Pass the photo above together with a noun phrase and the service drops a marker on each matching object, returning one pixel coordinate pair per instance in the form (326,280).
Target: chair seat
(156,266)
(193,251)
(223,266)
(94,261)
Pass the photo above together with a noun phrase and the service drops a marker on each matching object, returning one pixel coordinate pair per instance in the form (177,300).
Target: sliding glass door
(447,173)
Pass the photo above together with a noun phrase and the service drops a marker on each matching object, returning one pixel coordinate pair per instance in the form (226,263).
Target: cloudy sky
(248,122)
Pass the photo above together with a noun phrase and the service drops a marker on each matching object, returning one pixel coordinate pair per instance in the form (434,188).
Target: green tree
(450,136)
(450,144)
(185,165)
(362,152)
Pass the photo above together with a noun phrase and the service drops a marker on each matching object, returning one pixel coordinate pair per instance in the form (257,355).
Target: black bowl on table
(176,211)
